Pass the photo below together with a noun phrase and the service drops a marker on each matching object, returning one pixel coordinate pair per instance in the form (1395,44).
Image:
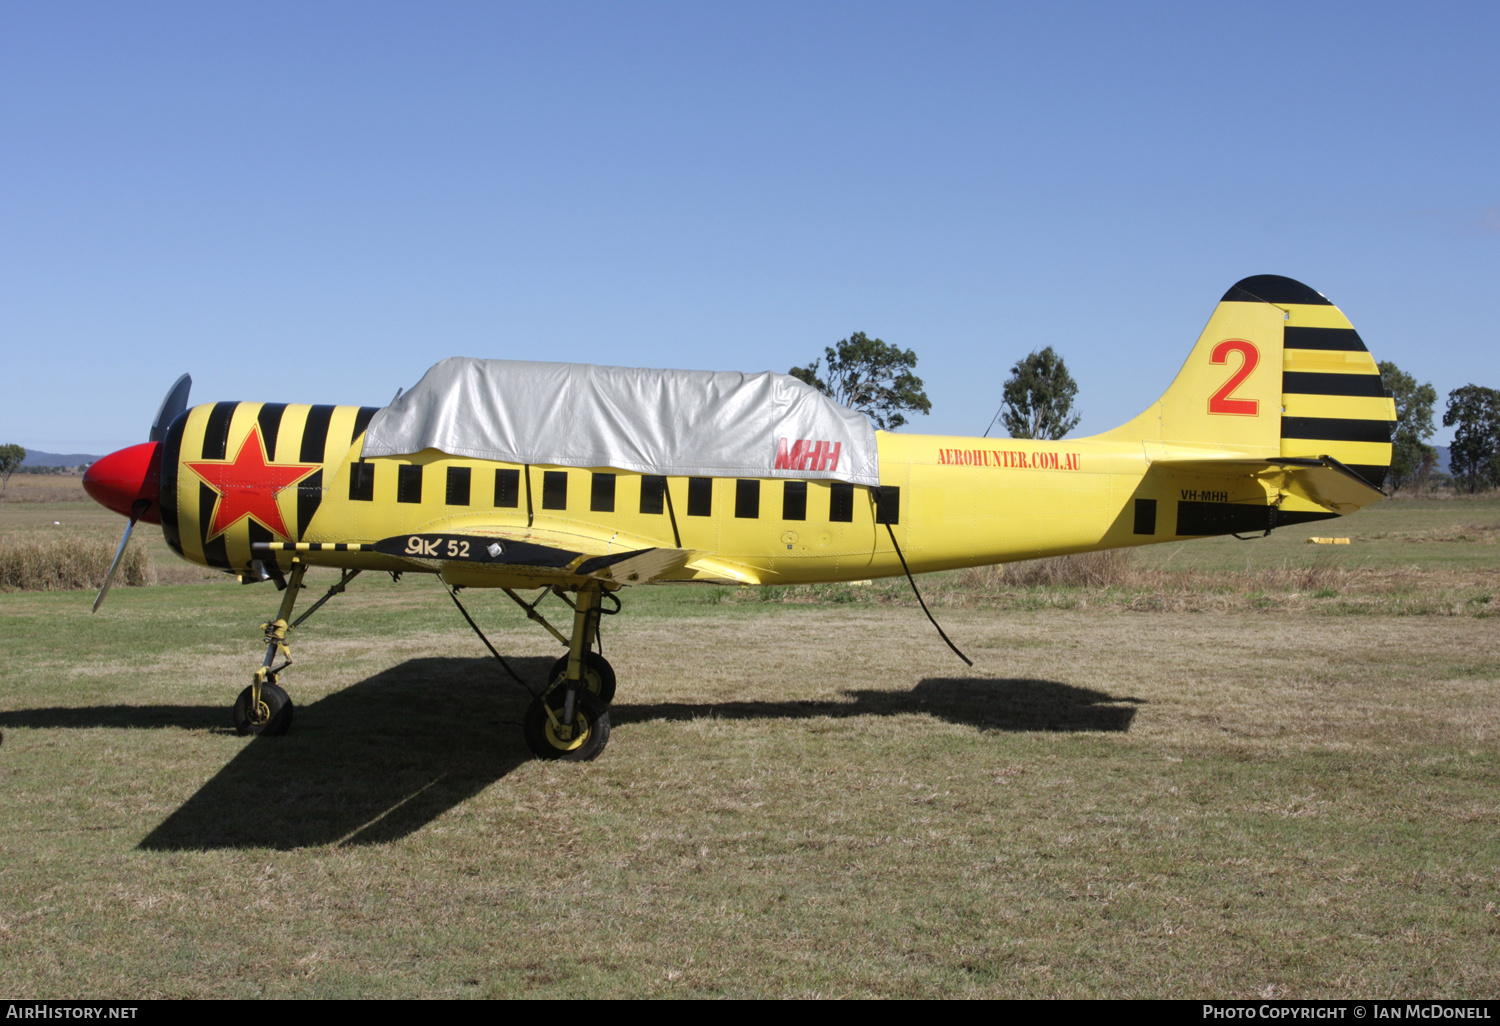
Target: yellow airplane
(580,480)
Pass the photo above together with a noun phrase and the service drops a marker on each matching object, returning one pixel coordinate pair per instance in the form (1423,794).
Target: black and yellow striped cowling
(1333,401)
(316,438)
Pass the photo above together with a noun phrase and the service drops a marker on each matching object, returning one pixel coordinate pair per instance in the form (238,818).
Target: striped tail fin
(1278,372)
(1333,401)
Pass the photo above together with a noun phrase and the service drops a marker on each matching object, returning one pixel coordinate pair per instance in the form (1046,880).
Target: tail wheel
(549,738)
(272,715)
(598,676)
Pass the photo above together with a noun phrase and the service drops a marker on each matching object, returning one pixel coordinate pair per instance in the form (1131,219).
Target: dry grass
(1444,493)
(1319,584)
(795,802)
(1120,569)
(1114,568)
(68,564)
(44,488)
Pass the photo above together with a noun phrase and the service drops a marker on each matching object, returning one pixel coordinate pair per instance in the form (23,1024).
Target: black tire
(274,717)
(598,675)
(591,723)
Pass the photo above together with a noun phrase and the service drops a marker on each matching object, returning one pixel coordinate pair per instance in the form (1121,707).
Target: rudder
(1333,401)
(1278,372)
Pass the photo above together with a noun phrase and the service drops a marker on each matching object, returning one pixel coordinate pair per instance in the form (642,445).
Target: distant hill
(53,459)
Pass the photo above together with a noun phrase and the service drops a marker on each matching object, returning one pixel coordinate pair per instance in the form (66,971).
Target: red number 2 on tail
(1221,401)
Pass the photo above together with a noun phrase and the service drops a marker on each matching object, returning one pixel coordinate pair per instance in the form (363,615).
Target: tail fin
(1278,372)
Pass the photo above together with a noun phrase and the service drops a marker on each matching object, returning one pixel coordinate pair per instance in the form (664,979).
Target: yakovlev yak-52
(581,480)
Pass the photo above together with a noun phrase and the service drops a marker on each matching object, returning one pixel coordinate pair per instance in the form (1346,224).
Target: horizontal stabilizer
(1321,480)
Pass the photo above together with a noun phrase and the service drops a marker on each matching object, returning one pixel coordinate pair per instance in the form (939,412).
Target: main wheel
(586,739)
(272,716)
(598,675)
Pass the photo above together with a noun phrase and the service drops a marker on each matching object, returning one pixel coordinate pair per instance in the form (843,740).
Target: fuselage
(235,474)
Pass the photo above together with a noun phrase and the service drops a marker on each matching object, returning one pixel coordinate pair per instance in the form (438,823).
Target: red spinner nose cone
(121,479)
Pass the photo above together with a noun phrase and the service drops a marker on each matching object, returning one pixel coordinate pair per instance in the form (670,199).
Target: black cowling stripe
(314,447)
(315,434)
(258,534)
(1310,383)
(216,431)
(1272,288)
(362,420)
(309,498)
(269,420)
(215,447)
(1337,339)
(1335,429)
(215,553)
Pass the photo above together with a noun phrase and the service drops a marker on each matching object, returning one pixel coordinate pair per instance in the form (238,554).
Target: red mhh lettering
(831,461)
(805,454)
(792,459)
(817,457)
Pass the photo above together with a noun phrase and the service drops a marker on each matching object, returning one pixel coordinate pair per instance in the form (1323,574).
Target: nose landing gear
(264,708)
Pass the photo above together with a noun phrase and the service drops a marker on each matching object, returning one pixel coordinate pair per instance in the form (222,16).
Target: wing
(494,556)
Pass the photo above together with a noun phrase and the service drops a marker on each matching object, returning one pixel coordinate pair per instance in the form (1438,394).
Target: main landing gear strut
(570,719)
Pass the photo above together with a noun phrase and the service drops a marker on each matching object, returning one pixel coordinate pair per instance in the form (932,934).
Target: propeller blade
(135,515)
(171,408)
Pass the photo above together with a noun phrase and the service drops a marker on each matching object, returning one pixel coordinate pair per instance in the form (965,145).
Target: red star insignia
(248,486)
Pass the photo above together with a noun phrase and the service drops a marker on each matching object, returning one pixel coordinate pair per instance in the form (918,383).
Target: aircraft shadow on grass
(384,757)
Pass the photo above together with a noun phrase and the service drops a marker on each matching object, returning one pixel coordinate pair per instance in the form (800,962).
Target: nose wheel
(263,708)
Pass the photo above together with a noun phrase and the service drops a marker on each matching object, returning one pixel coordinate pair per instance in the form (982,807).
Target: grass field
(1245,790)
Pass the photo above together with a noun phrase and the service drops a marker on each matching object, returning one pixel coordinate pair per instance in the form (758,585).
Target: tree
(11,458)
(1412,459)
(1474,455)
(870,376)
(1038,397)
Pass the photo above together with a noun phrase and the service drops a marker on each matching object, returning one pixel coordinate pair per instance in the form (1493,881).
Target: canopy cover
(671,422)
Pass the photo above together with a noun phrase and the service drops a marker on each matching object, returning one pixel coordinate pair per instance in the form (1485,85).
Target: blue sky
(314,202)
